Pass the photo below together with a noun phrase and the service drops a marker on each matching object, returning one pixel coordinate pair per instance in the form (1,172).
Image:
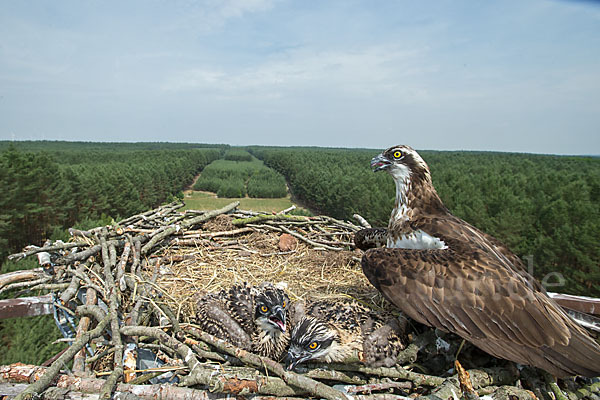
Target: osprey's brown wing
(477,297)
(464,238)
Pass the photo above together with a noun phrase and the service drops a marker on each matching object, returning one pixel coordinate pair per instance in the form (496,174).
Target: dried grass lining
(255,257)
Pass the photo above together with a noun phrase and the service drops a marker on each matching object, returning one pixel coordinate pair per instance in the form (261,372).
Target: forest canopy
(56,186)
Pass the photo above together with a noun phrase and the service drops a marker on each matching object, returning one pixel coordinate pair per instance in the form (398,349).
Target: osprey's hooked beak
(379,163)
(292,360)
(278,318)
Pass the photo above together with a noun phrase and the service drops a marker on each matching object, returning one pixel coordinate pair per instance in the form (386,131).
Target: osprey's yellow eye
(313,345)
(397,154)
(264,308)
(284,303)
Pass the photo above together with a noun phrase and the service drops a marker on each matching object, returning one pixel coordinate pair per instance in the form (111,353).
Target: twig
(112,252)
(84,324)
(55,247)
(171,316)
(202,349)
(136,253)
(361,221)
(83,276)
(73,287)
(268,217)
(299,236)
(478,378)
(55,287)
(287,210)
(343,224)
(18,285)
(277,253)
(378,386)
(227,233)
(93,250)
(109,261)
(16,276)
(193,221)
(99,355)
(265,226)
(121,265)
(394,373)
(586,390)
(337,376)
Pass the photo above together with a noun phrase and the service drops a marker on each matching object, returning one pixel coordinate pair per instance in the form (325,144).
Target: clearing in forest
(239,176)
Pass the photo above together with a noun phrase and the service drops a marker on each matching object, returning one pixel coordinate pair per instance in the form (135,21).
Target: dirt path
(192,184)
(295,200)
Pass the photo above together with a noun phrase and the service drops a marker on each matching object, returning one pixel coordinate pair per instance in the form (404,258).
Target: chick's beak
(379,163)
(292,360)
(278,318)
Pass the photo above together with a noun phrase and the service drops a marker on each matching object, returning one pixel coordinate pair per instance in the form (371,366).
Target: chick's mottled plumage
(253,318)
(334,331)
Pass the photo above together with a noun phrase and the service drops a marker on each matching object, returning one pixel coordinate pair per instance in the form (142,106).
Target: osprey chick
(334,331)
(250,317)
(445,273)
(370,238)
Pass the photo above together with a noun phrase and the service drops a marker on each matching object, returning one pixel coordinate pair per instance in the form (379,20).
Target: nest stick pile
(129,291)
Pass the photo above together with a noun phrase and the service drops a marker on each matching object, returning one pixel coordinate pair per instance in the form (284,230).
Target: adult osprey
(445,273)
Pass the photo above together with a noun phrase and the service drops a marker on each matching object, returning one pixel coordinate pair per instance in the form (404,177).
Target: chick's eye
(264,308)
(313,345)
(397,154)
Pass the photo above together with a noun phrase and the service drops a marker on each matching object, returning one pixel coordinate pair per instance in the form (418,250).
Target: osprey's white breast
(416,240)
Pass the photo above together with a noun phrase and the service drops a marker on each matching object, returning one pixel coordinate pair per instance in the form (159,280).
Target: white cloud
(367,72)
(237,8)
(202,16)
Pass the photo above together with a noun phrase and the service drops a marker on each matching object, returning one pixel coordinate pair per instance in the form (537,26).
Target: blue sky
(473,75)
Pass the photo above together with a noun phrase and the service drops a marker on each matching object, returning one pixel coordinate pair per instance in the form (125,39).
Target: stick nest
(150,269)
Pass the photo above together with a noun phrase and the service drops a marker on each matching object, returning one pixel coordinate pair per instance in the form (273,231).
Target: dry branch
(363,222)
(269,217)
(373,387)
(194,221)
(312,243)
(17,276)
(52,248)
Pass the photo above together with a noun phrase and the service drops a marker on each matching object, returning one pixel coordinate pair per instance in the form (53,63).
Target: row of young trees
(240,174)
(56,189)
(237,155)
(545,208)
